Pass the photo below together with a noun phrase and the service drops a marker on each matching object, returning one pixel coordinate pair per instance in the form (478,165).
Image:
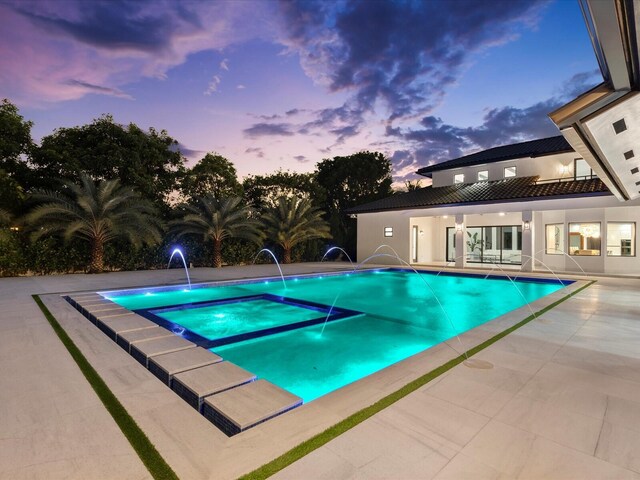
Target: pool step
(142,351)
(93,311)
(127,339)
(193,386)
(246,406)
(113,325)
(83,298)
(167,365)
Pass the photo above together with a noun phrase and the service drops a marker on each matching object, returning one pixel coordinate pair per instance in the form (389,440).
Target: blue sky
(284,84)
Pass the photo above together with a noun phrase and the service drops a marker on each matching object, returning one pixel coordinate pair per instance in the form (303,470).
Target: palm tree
(218,219)
(412,186)
(97,213)
(292,221)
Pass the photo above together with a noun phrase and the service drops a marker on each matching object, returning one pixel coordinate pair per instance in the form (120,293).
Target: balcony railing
(567,179)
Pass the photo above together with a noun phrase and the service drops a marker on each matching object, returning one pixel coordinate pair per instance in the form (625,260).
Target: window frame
(546,238)
(455,181)
(447,250)
(515,171)
(633,240)
(569,238)
(478,175)
(499,240)
(415,236)
(387,232)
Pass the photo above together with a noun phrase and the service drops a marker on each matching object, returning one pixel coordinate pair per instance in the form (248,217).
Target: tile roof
(509,190)
(532,148)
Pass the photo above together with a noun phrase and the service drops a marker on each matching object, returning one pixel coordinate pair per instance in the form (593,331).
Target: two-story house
(534,205)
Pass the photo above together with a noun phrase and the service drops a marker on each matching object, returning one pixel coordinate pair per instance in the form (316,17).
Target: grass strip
(351,421)
(158,468)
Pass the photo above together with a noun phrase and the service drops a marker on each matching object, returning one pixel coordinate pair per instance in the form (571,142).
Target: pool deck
(561,401)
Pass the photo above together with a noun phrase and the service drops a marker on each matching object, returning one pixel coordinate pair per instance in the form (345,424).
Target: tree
(11,193)
(217,220)
(412,186)
(15,143)
(5,218)
(104,150)
(213,174)
(97,213)
(293,221)
(350,181)
(262,191)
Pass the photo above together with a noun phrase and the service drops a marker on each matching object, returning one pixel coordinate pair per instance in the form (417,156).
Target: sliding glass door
(494,244)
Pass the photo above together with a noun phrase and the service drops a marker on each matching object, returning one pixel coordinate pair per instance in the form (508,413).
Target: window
(619,126)
(458,178)
(621,239)
(634,170)
(483,175)
(554,239)
(581,169)
(584,239)
(509,172)
(388,231)
(628,155)
(414,247)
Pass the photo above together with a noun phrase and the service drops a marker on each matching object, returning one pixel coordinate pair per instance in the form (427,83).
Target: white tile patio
(560,402)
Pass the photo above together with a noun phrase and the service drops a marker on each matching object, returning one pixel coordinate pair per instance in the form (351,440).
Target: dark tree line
(150,164)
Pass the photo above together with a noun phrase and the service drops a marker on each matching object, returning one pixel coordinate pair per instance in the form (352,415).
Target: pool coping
(229,458)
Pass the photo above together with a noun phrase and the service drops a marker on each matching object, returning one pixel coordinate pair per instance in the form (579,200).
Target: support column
(461,250)
(527,241)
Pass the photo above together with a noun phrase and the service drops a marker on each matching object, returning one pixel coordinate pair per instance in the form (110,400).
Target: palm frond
(293,221)
(94,212)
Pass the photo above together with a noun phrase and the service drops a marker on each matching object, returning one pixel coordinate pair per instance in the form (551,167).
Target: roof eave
(484,202)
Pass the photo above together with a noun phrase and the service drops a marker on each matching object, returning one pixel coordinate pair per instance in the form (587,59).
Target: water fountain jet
(177,251)
(337,248)
(275,260)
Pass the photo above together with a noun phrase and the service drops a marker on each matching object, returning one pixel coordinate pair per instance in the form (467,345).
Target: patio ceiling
(603,124)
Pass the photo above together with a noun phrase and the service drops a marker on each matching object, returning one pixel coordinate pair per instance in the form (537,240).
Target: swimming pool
(319,333)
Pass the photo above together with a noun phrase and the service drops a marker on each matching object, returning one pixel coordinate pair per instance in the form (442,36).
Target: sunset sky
(285,84)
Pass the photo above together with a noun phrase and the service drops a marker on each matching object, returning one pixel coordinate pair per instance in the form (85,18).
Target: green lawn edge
(351,421)
(158,468)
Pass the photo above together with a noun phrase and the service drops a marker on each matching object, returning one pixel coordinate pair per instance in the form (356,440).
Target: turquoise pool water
(219,321)
(399,318)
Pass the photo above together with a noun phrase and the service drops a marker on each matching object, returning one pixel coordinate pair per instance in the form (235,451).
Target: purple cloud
(99,89)
(268,130)
(403,54)
(259,152)
(112,43)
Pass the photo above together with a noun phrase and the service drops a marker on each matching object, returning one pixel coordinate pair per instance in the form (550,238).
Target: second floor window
(458,178)
(581,169)
(483,175)
(509,172)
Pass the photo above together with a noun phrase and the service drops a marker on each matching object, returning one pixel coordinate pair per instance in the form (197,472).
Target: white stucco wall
(371,235)
(547,167)
(433,222)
